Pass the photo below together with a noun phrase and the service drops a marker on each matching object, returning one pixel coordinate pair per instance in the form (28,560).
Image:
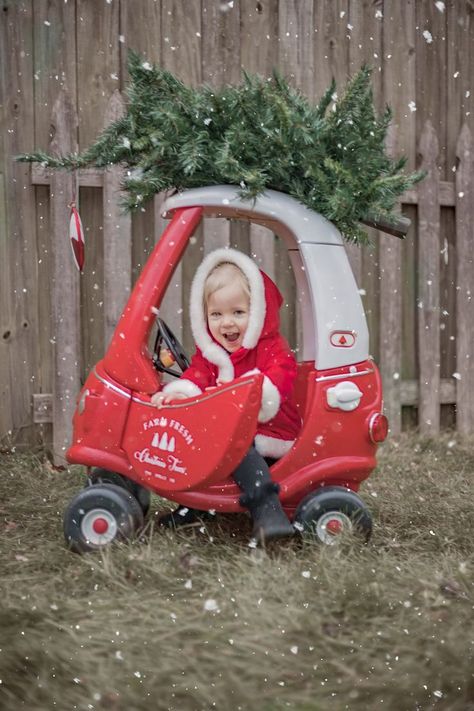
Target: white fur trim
(217,354)
(272,446)
(184,386)
(270,400)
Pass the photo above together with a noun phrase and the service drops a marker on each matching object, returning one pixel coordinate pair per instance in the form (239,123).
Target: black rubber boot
(260,497)
(182,516)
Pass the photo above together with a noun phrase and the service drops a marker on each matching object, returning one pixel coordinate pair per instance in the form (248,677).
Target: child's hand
(160,399)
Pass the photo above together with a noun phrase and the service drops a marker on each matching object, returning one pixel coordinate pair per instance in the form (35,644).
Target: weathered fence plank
(465,282)
(399,62)
(428,285)
(183,32)
(259,20)
(19,323)
(65,284)
(117,237)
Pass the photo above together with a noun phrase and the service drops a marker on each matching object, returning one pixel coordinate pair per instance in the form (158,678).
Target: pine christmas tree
(261,134)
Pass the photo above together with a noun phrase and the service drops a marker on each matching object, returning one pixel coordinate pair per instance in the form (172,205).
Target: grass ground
(199,620)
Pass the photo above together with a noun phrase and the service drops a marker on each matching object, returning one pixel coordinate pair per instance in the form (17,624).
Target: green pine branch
(260,135)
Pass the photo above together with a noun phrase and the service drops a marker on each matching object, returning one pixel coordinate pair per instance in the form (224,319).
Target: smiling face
(228,315)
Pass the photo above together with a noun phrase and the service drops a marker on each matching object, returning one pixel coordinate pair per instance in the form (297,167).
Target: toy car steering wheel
(165,338)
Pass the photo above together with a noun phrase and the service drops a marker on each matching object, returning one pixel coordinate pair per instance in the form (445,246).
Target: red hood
(273,301)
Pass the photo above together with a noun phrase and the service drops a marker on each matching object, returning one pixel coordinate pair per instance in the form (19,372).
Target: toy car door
(194,442)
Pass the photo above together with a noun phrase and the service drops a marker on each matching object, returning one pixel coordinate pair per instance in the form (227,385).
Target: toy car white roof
(333,325)
(270,207)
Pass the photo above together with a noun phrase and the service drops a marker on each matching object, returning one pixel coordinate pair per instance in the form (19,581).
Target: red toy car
(187,450)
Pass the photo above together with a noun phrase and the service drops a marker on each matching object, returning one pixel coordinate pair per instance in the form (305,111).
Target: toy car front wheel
(332,512)
(105,476)
(99,515)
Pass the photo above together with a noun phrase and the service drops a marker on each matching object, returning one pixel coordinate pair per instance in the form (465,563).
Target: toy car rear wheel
(105,476)
(99,515)
(329,514)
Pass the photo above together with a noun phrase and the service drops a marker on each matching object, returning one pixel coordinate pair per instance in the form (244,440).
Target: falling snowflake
(412,106)
(428,36)
(439,5)
(147,66)
(211,605)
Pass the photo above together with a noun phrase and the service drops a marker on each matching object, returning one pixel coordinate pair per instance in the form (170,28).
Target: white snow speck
(253,543)
(298,526)
(439,5)
(306,574)
(438,694)
(378,14)
(47,23)
(455,75)
(126,142)
(461,194)
(412,106)
(122,38)
(294,649)
(428,36)
(118,655)
(396,376)
(183,511)
(211,605)
(457,376)
(137,674)
(188,584)
(147,66)
(362,292)
(207,121)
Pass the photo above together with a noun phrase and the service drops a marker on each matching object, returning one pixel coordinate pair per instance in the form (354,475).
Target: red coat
(264,350)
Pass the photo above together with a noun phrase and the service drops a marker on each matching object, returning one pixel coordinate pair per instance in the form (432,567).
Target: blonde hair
(222,274)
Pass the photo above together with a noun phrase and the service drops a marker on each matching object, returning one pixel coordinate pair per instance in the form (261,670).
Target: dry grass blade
(198,620)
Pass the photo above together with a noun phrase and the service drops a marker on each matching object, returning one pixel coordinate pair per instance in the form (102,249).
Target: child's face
(228,315)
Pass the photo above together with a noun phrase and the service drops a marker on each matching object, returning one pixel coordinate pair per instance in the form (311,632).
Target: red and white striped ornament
(76,235)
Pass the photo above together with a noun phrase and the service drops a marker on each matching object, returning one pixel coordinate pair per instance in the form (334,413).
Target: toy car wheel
(104,476)
(99,515)
(330,513)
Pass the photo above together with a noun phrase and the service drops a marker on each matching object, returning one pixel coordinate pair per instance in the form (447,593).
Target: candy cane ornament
(76,235)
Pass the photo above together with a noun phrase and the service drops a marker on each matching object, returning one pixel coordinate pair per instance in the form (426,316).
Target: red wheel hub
(334,526)
(100,525)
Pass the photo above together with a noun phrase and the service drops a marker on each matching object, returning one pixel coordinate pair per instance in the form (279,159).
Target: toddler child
(234,311)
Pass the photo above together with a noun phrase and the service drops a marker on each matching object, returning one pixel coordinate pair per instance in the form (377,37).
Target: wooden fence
(428,392)
(55,324)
